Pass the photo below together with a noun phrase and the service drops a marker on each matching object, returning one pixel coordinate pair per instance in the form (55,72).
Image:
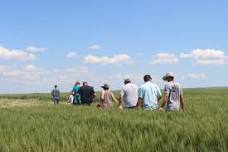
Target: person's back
(87,94)
(173,94)
(150,93)
(129,95)
(106,98)
(77,99)
(175,91)
(55,95)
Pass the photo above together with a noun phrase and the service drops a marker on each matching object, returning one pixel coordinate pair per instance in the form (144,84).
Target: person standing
(86,93)
(173,95)
(55,95)
(107,97)
(149,94)
(129,95)
(77,99)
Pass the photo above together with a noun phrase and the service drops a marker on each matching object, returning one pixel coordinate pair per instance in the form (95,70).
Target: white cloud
(116,59)
(196,76)
(206,56)
(164,58)
(33,49)
(15,54)
(72,55)
(26,72)
(95,47)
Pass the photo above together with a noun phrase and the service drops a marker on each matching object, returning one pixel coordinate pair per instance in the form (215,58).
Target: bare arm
(182,102)
(114,98)
(139,103)
(164,102)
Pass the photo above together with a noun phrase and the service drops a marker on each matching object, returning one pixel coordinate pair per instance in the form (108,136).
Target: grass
(32,123)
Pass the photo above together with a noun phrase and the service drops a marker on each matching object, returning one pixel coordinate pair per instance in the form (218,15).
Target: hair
(147,78)
(105,88)
(77,83)
(85,83)
(170,78)
(127,81)
(56,86)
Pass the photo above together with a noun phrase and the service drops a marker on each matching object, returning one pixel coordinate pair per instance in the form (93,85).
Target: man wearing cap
(107,97)
(87,94)
(55,95)
(129,95)
(149,94)
(173,94)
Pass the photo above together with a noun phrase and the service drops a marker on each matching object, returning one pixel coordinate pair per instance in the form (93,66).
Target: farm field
(32,123)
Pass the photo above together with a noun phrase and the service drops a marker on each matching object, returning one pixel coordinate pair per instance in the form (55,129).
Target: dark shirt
(87,94)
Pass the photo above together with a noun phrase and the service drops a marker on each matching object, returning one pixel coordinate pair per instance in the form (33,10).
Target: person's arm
(114,98)
(121,97)
(165,97)
(182,103)
(159,94)
(140,99)
(52,93)
(93,93)
(164,102)
(181,100)
(139,103)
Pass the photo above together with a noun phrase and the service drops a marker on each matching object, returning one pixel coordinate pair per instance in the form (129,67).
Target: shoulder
(168,84)
(178,84)
(155,85)
(134,85)
(142,87)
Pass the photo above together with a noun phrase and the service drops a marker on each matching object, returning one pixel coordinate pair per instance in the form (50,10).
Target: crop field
(32,123)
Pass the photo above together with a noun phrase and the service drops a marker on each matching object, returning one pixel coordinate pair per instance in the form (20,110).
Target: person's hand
(181,110)
(161,109)
(120,107)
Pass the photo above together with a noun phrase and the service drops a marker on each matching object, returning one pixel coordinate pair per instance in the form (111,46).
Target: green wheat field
(32,123)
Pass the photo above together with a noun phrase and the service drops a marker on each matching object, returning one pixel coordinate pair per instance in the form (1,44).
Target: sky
(48,42)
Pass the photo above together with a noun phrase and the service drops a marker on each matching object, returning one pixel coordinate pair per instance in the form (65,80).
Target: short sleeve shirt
(175,91)
(149,93)
(86,94)
(129,95)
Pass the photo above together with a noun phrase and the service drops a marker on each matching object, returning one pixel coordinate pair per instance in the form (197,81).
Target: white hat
(168,75)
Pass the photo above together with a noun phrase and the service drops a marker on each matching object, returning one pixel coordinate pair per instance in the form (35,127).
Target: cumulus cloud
(19,55)
(33,49)
(206,56)
(71,55)
(95,47)
(28,72)
(116,59)
(196,76)
(164,58)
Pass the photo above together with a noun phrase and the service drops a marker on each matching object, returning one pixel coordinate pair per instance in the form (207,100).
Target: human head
(168,77)
(56,86)
(85,83)
(126,81)
(105,87)
(147,78)
(77,83)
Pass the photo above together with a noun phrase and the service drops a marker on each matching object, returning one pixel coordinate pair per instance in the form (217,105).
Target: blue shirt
(150,93)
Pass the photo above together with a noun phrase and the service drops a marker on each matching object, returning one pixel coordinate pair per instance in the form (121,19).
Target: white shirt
(129,95)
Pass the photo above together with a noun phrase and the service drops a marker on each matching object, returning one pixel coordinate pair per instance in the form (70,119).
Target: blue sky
(47,42)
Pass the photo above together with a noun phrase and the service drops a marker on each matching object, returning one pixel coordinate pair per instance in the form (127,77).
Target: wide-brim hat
(168,75)
(105,86)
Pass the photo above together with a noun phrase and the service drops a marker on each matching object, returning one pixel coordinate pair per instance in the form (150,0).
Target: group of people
(131,97)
